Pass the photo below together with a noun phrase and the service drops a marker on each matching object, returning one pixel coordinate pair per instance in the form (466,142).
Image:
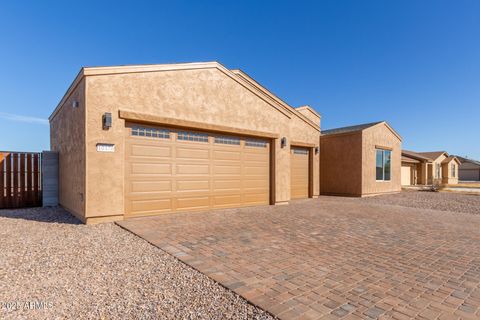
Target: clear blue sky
(413,63)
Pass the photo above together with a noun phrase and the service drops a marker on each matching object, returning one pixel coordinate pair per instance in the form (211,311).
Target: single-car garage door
(299,172)
(170,170)
(406,175)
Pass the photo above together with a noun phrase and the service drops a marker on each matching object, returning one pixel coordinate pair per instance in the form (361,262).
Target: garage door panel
(259,157)
(223,185)
(234,169)
(151,168)
(193,202)
(151,186)
(143,206)
(192,154)
(231,200)
(193,185)
(253,183)
(226,155)
(256,198)
(256,171)
(193,169)
(146,151)
(169,175)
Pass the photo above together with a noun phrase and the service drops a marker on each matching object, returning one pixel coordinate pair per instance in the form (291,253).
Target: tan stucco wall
(341,164)
(380,136)
(310,114)
(67,137)
(201,95)
(448,178)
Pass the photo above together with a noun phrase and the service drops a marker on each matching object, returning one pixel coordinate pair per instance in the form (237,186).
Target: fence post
(50,178)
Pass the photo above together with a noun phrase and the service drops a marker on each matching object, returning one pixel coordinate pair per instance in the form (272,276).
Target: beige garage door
(406,175)
(299,172)
(169,170)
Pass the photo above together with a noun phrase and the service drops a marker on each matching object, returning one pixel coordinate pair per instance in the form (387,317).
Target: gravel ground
(100,272)
(443,201)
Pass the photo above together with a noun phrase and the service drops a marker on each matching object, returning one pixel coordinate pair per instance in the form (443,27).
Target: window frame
(454,169)
(384,167)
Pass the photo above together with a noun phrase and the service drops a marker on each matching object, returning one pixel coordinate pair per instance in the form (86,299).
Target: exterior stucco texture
(348,162)
(201,93)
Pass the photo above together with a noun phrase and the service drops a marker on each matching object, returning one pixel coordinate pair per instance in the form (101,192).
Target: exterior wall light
(75,104)
(107,120)
(317,150)
(283,142)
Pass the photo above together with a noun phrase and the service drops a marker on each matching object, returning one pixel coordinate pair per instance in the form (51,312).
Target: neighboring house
(443,167)
(360,160)
(149,139)
(469,169)
(414,168)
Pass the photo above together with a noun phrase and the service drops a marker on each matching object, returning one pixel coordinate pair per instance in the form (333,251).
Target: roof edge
(389,127)
(307,107)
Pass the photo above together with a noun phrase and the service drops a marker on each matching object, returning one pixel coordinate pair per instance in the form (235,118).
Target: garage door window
(227,140)
(255,143)
(150,132)
(383,164)
(193,136)
(300,151)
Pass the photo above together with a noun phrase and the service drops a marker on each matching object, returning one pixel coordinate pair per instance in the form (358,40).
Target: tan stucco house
(469,169)
(360,160)
(436,167)
(414,168)
(149,139)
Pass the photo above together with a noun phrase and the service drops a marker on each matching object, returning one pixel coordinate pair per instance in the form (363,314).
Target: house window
(193,136)
(383,164)
(150,132)
(438,171)
(453,170)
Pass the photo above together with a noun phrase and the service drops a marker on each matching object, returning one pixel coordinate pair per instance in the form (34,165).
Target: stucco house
(469,169)
(443,169)
(427,168)
(360,160)
(148,139)
(414,168)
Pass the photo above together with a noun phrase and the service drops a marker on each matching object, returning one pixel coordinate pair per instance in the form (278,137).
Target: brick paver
(332,258)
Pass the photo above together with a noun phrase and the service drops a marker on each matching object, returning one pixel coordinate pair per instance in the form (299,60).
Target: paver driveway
(332,257)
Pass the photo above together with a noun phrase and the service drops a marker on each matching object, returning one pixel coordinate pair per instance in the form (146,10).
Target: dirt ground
(52,267)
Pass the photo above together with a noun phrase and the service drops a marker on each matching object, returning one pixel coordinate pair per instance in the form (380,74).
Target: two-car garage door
(169,170)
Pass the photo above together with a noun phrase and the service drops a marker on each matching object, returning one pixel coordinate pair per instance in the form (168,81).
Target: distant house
(425,168)
(360,160)
(469,170)
(414,168)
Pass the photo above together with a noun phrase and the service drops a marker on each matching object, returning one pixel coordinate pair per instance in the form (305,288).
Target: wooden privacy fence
(20,179)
